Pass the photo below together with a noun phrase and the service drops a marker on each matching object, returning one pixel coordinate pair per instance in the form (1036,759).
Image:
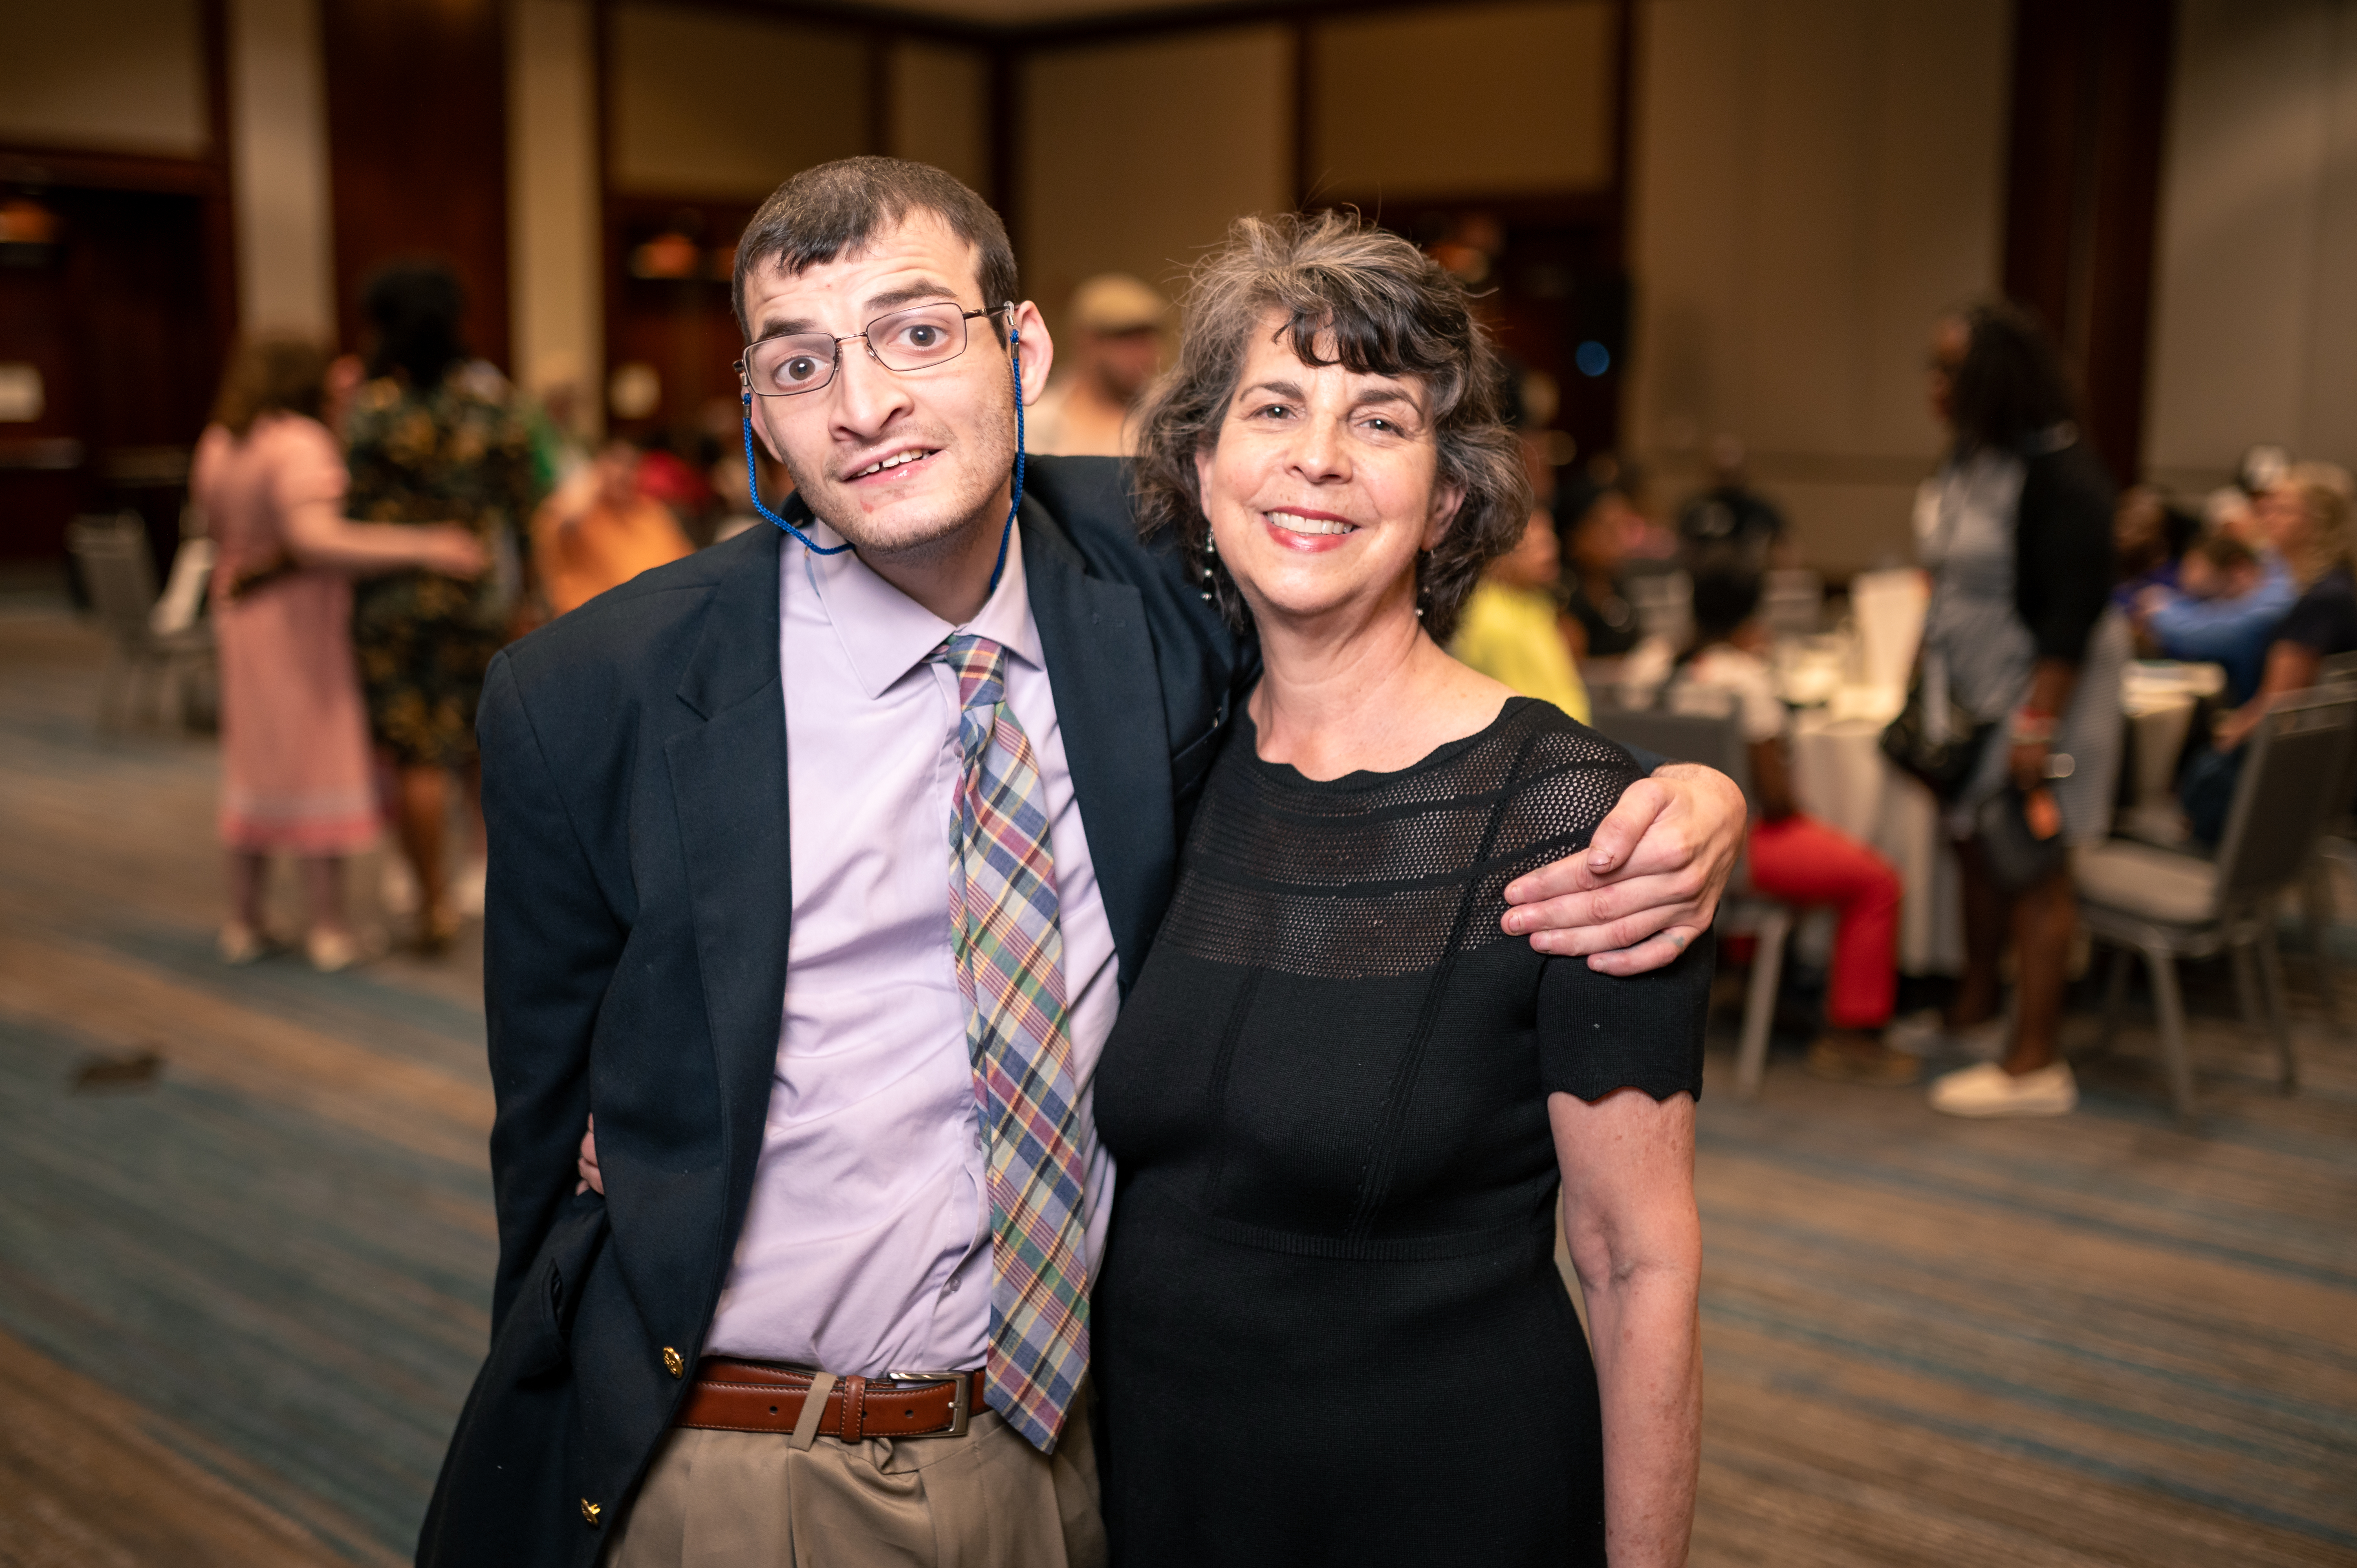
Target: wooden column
(2089,95)
(417,151)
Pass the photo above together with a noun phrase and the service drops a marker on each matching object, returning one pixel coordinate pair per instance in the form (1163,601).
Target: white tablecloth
(1841,778)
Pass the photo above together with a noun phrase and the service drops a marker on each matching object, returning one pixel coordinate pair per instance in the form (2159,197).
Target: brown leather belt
(768,1396)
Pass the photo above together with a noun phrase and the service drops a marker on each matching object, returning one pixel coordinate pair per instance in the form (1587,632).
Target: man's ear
(1037,349)
(762,432)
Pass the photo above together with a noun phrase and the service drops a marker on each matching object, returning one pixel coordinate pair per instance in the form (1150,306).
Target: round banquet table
(1841,778)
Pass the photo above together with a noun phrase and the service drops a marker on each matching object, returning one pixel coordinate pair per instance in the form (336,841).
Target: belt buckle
(961,1397)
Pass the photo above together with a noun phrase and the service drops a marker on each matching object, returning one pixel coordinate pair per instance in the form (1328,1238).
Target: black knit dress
(1330,1328)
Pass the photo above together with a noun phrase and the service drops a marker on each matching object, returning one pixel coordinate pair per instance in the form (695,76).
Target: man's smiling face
(898,463)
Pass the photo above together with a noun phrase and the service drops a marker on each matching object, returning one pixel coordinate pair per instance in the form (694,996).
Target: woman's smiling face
(1322,489)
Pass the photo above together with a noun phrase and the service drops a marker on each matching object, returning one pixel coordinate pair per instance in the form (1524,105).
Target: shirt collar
(885,633)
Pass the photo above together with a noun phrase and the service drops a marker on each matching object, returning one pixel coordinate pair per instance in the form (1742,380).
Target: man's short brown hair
(832,210)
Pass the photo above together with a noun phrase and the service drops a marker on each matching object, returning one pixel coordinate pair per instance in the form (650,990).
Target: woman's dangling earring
(1422,593)
(1211,552)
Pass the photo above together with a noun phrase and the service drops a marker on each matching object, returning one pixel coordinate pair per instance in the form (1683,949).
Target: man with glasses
(817,1288)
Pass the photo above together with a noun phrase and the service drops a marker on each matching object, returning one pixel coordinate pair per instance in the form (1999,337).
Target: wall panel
(123,75)
(278,143)
(2256,330)
(724,104)
(1463,99)
(552,173)
(940,109)
(1813,182)
(1137,155)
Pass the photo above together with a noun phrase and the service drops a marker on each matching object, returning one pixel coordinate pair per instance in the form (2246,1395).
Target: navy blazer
(634,958)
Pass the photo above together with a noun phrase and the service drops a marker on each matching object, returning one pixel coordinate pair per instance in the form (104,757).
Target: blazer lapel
(728,784)
(1101,666)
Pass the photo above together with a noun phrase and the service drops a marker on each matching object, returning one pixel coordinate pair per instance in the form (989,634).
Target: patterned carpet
(241,1298)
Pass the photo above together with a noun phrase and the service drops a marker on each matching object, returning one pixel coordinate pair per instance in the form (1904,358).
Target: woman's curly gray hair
(1350,294)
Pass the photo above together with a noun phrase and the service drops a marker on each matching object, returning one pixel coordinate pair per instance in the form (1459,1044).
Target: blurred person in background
(1730,519)
(427,445)
(1595,523)
(666,477)
(2020,632)
(2149,538)
(600,530)
(1115,333)
(1795,857)
(1514,630)
(554,419)
(2224,610)
(2307,517)
(269,480)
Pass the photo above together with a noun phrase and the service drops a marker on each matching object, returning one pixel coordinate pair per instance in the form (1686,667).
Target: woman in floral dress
(429,437)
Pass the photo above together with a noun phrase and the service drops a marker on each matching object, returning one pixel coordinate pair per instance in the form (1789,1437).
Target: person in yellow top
(597,531)
(1511,630)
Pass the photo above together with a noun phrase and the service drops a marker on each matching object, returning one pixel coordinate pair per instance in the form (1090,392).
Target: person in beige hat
(1117,322)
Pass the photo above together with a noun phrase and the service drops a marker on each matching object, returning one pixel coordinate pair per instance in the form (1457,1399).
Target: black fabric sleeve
(2062,550)
(1599,1032)
(550,947)
(2324,619)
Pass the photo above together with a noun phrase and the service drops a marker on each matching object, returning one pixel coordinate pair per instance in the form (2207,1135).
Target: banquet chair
(2337,847)
(120,576)
(1743,910)
(2167,905)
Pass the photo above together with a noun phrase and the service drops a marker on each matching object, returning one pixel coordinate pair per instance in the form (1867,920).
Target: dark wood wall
(2082,196)
(417,149)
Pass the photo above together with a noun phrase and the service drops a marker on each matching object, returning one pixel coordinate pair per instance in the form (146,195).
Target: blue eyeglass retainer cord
(1006,531)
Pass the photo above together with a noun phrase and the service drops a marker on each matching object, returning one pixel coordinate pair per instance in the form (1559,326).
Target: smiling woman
(1294,297)
(1341,1105)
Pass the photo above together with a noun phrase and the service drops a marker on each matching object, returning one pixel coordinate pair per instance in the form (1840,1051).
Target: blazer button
(671,1362)
(590,1511)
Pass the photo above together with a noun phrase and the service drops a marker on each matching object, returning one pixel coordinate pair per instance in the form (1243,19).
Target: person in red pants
(1793,856)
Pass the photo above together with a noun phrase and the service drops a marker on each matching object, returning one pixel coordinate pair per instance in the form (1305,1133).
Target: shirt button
(951,1289)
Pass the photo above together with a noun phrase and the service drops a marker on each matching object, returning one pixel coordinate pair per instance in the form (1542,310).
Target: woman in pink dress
(296,771)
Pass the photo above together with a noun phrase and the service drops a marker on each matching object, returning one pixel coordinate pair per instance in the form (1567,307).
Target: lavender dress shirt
(865,1248)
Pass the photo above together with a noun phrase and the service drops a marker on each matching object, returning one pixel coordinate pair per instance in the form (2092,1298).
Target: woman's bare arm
(1636,1242)
(319,534)
(2291,666)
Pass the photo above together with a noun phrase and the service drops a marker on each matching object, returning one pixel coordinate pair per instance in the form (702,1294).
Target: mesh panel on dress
(1346,880)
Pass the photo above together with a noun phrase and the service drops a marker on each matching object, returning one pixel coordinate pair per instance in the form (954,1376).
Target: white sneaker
(240,943)
(396,885)
(1987,1089)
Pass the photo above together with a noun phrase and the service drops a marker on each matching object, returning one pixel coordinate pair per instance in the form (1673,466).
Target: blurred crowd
(385,524)
(2040,588)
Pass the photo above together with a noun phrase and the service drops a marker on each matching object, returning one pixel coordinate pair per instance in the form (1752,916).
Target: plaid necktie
(1010,966)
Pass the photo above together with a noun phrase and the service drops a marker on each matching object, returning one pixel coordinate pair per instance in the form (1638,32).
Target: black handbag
(2017,858)
(1941,765)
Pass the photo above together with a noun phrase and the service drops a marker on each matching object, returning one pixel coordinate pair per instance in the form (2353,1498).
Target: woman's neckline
(1248,737)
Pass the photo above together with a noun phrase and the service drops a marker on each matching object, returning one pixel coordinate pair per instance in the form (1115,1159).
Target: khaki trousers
(751,1499)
